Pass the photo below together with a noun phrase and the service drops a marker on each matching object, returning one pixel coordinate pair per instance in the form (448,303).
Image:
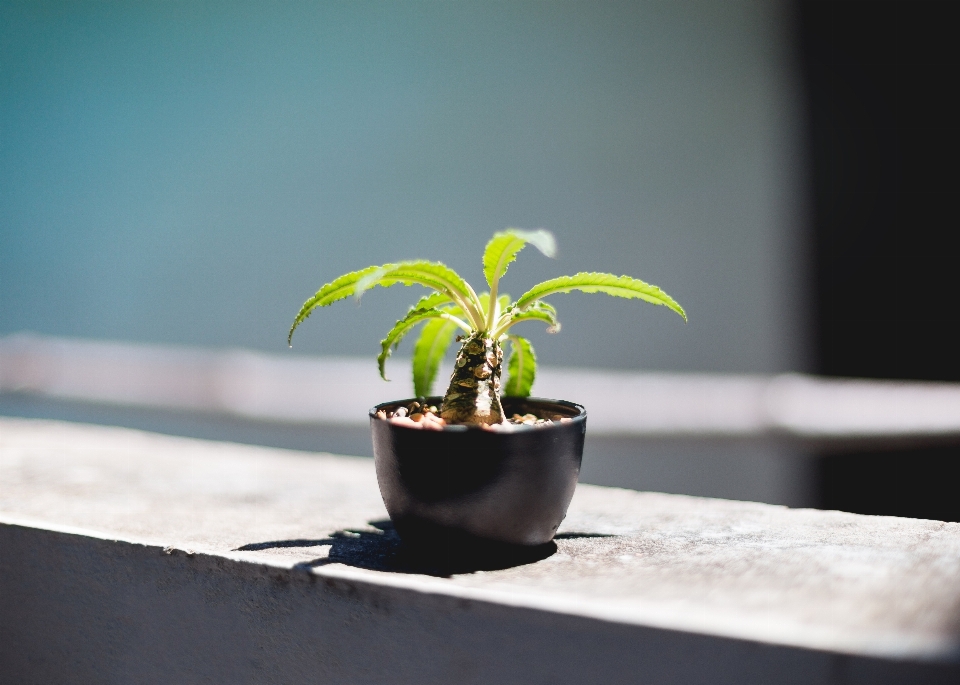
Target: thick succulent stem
(474,392)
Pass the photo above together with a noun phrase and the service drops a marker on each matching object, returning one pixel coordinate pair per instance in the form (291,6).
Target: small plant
(485,319)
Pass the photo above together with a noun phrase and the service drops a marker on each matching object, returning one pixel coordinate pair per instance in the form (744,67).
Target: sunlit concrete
(133,557)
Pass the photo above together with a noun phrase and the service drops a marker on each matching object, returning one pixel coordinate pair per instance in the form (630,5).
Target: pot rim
(579,417)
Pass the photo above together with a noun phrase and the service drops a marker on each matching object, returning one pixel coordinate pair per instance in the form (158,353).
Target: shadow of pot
(469,487)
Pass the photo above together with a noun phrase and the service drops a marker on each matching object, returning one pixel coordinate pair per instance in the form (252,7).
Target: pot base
(457,551)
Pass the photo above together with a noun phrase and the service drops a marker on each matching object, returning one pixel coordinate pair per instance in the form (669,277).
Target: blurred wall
(191,172)
(884,138)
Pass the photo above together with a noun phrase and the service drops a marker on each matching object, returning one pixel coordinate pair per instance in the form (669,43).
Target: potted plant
(485,462)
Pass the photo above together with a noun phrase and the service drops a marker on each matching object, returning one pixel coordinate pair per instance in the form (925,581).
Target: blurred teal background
(190,172)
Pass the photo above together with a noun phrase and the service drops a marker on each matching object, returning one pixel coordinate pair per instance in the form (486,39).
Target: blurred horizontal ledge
(293,388)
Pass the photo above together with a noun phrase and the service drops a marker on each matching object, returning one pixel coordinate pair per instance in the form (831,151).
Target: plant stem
(473,395)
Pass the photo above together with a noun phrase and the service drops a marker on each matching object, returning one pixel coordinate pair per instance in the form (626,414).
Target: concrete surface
(133,557)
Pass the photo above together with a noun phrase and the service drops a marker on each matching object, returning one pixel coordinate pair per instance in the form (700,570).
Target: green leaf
(618,286)
(503,302)
(432,275)
(536,311)
(522,367)
(401,328)
(428,353)
(338,289)
(504,246)
(484,298)
(432,300)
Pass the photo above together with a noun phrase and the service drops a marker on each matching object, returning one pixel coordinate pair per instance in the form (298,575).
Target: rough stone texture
(158,559)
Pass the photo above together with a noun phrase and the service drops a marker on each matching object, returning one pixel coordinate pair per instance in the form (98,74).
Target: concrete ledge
(85,610)
(133,557)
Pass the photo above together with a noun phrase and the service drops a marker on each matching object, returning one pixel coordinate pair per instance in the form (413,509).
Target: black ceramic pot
(465,484)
